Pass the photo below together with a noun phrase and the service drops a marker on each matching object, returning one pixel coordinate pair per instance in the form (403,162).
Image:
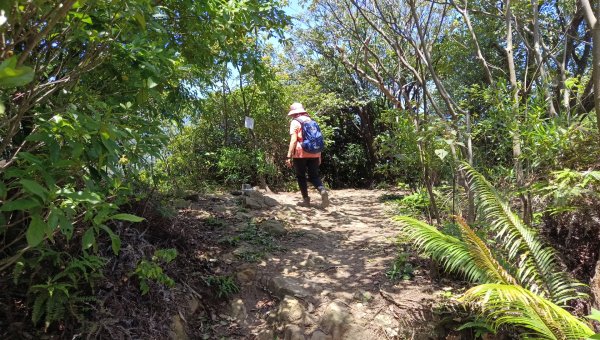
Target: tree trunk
(591,17)
(516,134)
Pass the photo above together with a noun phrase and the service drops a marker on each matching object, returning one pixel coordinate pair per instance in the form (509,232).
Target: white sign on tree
(249,123)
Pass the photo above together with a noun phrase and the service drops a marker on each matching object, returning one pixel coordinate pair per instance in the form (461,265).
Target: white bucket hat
(296,108)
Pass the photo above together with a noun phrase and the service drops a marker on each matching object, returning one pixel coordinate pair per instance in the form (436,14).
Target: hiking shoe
(305,202)
(324,197)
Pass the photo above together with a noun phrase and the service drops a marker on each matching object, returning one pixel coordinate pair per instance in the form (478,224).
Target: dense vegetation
(106,104)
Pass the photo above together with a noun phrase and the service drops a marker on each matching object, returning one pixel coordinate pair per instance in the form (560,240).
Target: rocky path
(325,276)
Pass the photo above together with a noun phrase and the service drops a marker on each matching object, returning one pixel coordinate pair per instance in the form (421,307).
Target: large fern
(517,306)
(521,283)
(451,252)
(536,265)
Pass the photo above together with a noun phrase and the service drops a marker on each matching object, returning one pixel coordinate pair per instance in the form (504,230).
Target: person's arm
(291,149)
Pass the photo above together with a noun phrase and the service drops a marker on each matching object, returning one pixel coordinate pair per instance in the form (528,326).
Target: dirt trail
(329,280)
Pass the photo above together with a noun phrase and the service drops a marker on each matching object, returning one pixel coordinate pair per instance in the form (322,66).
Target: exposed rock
(273,227)
(238,311)
(282,286)
(178,329)
(252,203)
(246,276)
(293,332)
(336,320)
(318,335)
(290,311)
(363,296)
(314,261)
(255,200)
(270,202)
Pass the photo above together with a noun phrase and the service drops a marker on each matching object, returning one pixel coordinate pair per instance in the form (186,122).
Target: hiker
(303,160)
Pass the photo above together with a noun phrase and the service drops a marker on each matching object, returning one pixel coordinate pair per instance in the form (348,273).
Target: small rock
(282,286)
(318,335)
(273,227)
(246,276)
(293,332)
(238,310)
(363,296)
(336,320)
(270,202)
(178,329)
(290,310)
(389,324)
(313,261)
(252,203)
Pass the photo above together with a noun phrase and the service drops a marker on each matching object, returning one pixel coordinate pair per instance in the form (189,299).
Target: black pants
(302,165)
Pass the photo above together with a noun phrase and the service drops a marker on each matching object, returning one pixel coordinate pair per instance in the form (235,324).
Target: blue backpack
(312,139)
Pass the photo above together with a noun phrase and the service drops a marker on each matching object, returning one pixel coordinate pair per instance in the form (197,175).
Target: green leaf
(595,315)
(66,226)
(139,17)
(20,204)
(441,153)
(595,337)
(12,75)
(88,239)
(34,188)
(36,231)
(127,217)
(150,83)
(114,239)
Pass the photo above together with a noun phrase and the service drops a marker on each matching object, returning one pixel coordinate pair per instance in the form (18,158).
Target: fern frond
(504,304)
(482,255)
(536,264)
(452,253)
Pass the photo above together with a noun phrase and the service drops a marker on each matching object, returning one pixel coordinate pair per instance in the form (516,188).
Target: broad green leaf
(595,315)
(29,157)
(151,83)
(20,204)
(114,239)
(127,217)
(34,188)
(441,153)
(36,231)
(85,196)
(595,337)
(12,75)
(66,226)
(88,239)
